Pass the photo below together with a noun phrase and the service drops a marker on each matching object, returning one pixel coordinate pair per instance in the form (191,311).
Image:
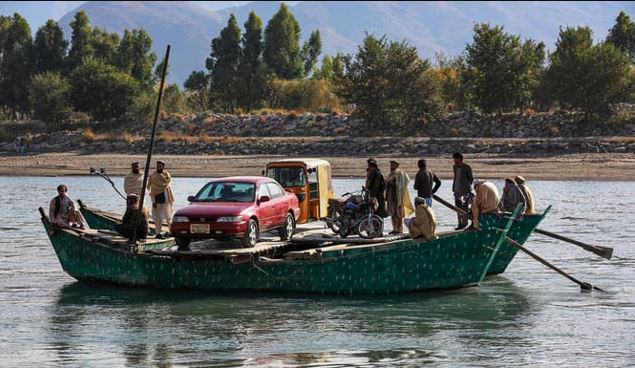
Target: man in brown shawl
(486,200)
(162,197)
(133,182)
(397,197)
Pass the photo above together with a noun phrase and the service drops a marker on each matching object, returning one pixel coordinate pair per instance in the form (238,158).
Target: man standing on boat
(462,187)
(162,197)
(512,196)
(398,197)
(424,181)
(62,210)
(376,185)
(133,182)
(529,195)
(486,200)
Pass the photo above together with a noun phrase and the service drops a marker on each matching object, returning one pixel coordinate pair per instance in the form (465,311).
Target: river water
(529,316)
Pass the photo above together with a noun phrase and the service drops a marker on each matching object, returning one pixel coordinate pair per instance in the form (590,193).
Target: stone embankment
(465,124)
(340,135)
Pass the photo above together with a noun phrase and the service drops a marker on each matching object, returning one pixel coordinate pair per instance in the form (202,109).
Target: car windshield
(227,192)
(288,176)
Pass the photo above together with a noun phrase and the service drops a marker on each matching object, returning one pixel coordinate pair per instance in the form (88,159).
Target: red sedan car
(236,207)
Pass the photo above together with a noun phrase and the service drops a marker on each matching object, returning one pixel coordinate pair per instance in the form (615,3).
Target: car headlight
(180,219)
(230,219)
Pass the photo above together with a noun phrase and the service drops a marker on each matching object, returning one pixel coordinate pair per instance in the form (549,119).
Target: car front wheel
(286,232)
(251,236)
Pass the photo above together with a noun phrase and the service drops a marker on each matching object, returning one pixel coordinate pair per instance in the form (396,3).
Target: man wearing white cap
(162,197)
(133,182)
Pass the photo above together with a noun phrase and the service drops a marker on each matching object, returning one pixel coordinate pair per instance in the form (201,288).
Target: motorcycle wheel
(370,228)
(334,222)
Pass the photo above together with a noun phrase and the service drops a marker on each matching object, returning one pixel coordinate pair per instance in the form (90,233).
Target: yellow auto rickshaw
(309,179)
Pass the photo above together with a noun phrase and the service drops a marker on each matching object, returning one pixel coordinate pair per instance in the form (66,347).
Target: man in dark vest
(424,181)
(376,185)
(126,228)
(462,187)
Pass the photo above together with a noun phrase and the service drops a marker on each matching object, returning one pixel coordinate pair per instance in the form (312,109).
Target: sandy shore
(595,166)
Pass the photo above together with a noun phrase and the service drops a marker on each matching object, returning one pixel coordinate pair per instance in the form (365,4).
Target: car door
(281,205)
(266,210)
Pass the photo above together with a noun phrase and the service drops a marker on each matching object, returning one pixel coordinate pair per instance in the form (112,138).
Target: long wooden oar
(585,286)
(604,252)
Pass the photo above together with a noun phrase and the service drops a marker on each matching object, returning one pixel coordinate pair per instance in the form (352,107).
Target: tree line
(246,70)
(386,82)
(391,86)
(98,73)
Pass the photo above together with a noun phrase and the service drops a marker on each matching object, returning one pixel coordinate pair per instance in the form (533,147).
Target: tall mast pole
(154,130)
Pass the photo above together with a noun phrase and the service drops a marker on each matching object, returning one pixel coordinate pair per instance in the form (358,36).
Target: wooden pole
(604,252)
(585,286)
(150,147)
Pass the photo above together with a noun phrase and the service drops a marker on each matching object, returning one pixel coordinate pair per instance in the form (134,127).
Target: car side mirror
(264,199)
(191,198)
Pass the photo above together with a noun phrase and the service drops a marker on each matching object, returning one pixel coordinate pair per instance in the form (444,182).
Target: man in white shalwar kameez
(162,197)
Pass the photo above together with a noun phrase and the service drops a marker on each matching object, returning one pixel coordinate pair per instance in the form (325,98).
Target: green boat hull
(451,261)
(98,219)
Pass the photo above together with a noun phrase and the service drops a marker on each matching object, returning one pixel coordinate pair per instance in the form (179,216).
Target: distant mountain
(430,26)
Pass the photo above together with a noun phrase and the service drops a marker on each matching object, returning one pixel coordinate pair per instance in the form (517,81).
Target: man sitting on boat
(62,210)
(424,224)
(162,197)
(512,196)
(126,228)
(486,200)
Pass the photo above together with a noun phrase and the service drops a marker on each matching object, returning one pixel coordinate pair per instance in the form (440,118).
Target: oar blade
(604,252)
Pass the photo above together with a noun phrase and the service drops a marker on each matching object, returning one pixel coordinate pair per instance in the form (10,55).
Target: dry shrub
(126,137)
(89,136)
(204,138)
(554,131)
(168,136)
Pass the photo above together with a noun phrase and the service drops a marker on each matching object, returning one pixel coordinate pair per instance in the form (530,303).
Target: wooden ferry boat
(310,262)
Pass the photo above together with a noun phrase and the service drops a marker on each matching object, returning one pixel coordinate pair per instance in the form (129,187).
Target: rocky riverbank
(330,134)
(332,146)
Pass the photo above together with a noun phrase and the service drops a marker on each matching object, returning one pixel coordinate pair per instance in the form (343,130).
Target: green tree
(134,56)
(102,90)
(81,45)
(282,45)
(447,73)
(253,73)
(311,51)
(501,71)
(389,84)
(15,68)
(49,48)
(104,44)
(586,76)
(223,64)
(622,35)
(326,69)
(198,86)
(49,98)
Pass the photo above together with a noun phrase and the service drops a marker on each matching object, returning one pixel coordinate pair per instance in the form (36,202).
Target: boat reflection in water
(189,327)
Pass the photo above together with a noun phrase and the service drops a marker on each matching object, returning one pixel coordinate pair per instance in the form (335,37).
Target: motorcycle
(354,214)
